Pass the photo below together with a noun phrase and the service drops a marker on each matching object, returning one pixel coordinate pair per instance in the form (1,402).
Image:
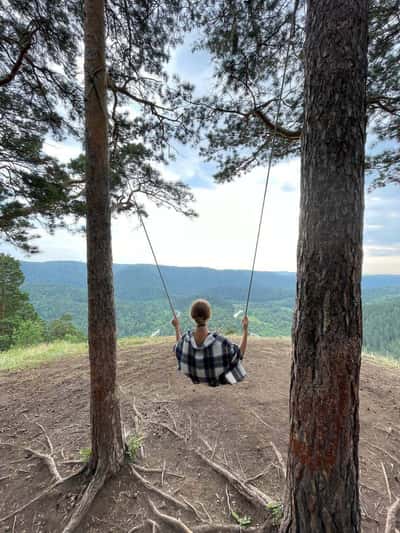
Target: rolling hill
(59,287)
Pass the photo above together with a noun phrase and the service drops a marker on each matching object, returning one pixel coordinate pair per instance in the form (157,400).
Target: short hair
(200,312)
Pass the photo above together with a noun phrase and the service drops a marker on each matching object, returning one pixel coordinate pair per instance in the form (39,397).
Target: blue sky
(223,236)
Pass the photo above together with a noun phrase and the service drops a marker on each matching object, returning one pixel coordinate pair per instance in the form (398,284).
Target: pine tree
(247,41)
(41,97)
(107,451)
(14,303)
(323,464)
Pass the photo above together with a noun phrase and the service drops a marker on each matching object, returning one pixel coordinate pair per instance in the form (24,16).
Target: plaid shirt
(215,362)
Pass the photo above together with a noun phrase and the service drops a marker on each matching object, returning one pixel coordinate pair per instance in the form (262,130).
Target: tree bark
(323,465)
(107,442)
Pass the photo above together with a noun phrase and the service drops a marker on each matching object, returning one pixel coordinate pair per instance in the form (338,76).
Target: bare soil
(233,424)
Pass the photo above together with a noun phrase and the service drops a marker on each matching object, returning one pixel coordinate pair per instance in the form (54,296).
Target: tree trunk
(323,467)
(107,441)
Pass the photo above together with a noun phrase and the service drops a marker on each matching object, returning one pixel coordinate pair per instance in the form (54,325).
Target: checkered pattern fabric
(215,362)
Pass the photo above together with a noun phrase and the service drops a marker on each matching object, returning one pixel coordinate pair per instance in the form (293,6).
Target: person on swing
(209,357)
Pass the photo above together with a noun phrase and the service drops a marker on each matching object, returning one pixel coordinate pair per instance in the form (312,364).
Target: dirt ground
(233,425)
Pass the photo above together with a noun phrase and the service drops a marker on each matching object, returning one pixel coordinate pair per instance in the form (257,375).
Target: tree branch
(290,135)
(18,63)
(123,90)
(384,103)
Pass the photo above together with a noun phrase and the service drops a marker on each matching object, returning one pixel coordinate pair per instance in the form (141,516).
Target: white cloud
(63,151)
(224,234)
(382,265)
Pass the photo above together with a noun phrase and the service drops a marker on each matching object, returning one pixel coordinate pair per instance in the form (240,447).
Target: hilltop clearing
(242,428)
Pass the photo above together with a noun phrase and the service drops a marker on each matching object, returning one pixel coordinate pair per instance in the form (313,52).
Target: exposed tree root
(47,459)
(94,487)
(41,495)
(158,491)
(249,492)
(195,511)
(176,524)
(392,516)
(180,527)
(154,526)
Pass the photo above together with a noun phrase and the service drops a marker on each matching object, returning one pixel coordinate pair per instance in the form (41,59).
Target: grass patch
(382,360)
(128,342)
(33,356)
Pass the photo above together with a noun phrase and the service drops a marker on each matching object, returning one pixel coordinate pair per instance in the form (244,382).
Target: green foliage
(276,510)
(85,454)
(382,326)
(41,97)
(20,325)
(133,445)
(15,308)
(28,333)
(63,328)
(248,42)
(243,521)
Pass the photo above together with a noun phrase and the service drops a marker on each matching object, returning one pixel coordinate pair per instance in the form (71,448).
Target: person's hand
(175,322)
(245,323)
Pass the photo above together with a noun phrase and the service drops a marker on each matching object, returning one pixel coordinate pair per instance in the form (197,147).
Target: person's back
(209,357)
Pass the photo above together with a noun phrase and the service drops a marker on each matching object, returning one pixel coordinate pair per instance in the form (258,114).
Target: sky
(223,235)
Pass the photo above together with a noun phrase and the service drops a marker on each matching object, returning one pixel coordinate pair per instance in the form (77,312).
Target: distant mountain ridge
(59,287)
(142,281)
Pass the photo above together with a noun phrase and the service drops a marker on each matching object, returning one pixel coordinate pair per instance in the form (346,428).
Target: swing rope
(155,259)
(271,156)
(272,153)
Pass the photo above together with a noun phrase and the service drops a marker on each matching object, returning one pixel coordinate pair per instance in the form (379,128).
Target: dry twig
(262,421)
(387,482)
(280,458)
(163,472)
(206,512)
(257,476)
(136,528)
(392,516)
(378,448)
(147,470)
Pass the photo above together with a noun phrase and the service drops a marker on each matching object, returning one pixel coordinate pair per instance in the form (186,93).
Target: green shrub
(133,446)
(276,510)
(28,333)
(85,454)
